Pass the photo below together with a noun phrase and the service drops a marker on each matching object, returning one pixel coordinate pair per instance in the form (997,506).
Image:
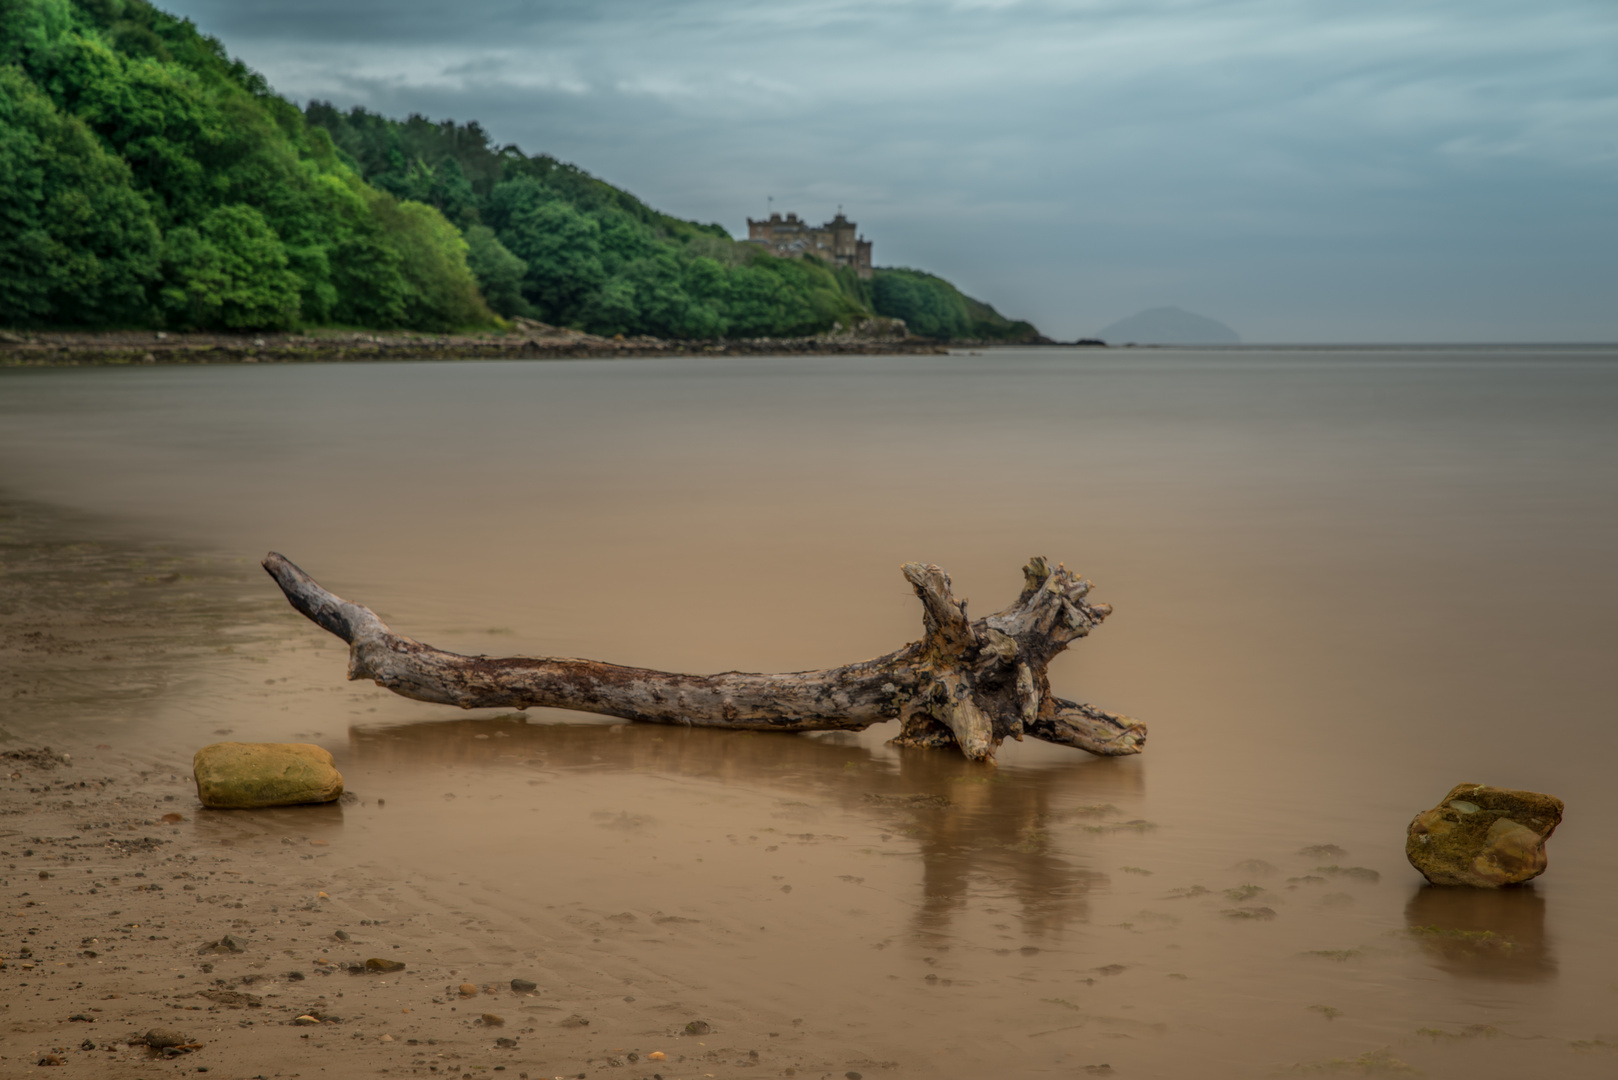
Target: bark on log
(966,683)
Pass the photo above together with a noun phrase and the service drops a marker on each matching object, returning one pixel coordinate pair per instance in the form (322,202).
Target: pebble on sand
(235,775)
(523,986)
(376,963)
(491,1020)
(1483,836)
(163,1038)
(468,989)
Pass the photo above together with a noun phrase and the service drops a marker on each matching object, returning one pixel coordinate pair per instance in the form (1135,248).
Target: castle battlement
(837,241)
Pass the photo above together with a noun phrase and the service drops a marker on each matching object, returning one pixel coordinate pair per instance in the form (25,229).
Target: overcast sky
(1303,170)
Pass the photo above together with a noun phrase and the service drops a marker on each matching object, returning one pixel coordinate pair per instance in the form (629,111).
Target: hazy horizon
(1301,173)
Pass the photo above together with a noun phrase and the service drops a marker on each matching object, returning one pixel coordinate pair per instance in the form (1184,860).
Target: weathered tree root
(967,683)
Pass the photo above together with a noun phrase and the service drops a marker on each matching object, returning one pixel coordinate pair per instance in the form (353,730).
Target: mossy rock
(1482,836)
(244,776)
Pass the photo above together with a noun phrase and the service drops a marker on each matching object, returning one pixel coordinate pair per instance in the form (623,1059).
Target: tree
(499,272)
(229,271)
(560,245)
(78,246)
(440,292)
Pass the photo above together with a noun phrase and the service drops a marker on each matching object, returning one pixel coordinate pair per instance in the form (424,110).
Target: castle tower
(837,242)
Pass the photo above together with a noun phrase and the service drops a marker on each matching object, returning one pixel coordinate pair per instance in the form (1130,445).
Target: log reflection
(998,835)
(1494,934)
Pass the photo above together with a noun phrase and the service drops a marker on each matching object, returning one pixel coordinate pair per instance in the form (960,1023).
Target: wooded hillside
(149,180)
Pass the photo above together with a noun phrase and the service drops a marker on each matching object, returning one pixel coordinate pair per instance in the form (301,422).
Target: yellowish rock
(1482,836)
(235,775)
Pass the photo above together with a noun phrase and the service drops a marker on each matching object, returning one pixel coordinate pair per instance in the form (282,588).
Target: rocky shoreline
(529,341)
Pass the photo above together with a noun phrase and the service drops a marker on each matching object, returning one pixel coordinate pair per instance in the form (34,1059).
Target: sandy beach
(135,909)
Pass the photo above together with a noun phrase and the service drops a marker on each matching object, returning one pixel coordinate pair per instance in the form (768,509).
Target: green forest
(147,180)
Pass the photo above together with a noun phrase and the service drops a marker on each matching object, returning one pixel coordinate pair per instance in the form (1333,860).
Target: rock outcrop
(242,776)
(1483,836)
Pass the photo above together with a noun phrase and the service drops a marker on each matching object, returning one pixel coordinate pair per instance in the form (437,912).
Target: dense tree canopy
(934,308)
(146,179)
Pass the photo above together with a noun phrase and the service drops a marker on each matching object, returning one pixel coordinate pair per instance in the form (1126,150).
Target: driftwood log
(967,683)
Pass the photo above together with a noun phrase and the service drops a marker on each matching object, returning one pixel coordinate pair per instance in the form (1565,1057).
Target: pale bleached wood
(965,683)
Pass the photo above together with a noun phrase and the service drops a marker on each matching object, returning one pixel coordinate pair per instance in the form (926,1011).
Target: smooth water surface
(1343,581)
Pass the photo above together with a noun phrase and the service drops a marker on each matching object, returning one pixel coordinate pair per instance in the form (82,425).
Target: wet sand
(1340,589)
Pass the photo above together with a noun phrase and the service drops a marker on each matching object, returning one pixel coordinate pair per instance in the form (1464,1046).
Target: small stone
(376,963)
(236,775)
(468,989)
(52,1059)
(523,986)
(852,1075)
(505,1044)
(491,1020)
(163,1038)
(1483,836)
(657,1055)
(340,935)
(230,943)
(698,1027)
(386,1039)
(306,1020)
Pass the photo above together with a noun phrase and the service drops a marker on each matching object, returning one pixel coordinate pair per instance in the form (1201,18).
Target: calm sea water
(1344,581)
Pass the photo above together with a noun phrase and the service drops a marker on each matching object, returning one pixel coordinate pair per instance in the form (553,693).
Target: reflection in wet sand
(98,628)
(1496,934)
(980,833)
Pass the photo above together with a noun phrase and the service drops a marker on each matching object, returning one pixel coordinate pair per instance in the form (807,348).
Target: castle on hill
(837,241)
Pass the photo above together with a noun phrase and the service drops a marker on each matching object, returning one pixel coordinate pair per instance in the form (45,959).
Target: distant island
(1169,326)
(149,181)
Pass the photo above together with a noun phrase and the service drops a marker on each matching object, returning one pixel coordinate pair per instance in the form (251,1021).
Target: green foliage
(149,179)
(551,241)
(77,244)
(230,271)
(499,272)
(440,289)
(928,305)
(932,307)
